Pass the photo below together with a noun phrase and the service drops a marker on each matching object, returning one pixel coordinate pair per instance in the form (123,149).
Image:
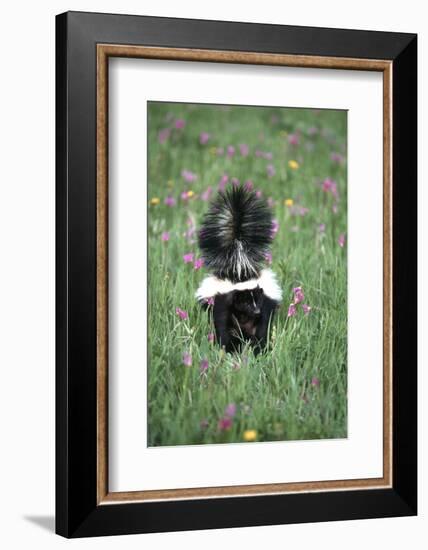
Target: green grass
(273,392)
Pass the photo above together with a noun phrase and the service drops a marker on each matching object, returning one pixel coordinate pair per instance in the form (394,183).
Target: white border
(133,466)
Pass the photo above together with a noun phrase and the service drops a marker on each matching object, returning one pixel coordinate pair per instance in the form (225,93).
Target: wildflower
(213,150)
(154,201)
(288,202)
(181,313)
(230,410)
(334,208)
(198,263)
(187,359)
(259,194)
(291,310)
(223,181)
(330,186)
(188,176)
(188,258)
(220,151)
(224,424)
(170,184)
(244,149)
(293,139)
(312,131)
(165,236)
(204,138)
(210,301)
(203,367)
(321,228)
(170,201)
(270,202)
(268,257)
(210,337)
(293,164)
(298,295)
(234,181)
(306,309)
(230,150)
(341,240)
(336,157)
(270,169)
(315,382)
(180,123)
(206,195)
(186,195)
(249,185)
(250,435)
(163,135)
(275,228)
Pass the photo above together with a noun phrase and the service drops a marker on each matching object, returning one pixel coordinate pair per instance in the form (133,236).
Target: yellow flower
(250,435)
(293,164)
(190,193)
(170,183)
(213,150)
(154,201)
(288,202)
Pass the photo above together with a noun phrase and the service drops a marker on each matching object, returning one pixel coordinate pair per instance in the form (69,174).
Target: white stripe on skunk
(267,281)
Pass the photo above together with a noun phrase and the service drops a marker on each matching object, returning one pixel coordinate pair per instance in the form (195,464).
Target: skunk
(234,239)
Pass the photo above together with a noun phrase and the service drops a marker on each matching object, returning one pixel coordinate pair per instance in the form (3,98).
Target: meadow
(296,160)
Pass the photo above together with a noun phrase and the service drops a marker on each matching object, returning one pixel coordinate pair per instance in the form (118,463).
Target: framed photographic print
(236,274)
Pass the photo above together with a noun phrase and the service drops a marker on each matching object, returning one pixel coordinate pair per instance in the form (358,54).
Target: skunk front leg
(222,318)
(266,317)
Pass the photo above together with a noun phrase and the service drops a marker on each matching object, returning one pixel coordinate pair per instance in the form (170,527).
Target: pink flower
(321,228)
(203,138)
(315,382)
(230,150)
(163,135)
(188,258)
(293,139)
(187,359)
(341,240)
(291,310)
(181,313)
(188,176)
(270,202)
(244,149)
(180,123)
(210,337)
(270,169)
(336,157)
(275,228)
(223,181)
(306,309)
(268,257)
(198,263)
(170,201)
(206,195)
(203,367)
(298,295)
(330,186)
(224,424)
(234,181)
(249,185)
(165,236)
(334,208)
(230,410)
(259,194)
(210,301)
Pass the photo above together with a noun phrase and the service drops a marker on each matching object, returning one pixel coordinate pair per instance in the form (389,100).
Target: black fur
(236,234)
(243,316)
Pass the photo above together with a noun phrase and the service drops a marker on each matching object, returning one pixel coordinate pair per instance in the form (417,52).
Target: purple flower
(321,228)
(203,367)
(330,186)
(170,201)
(235,182)
(165,236)
(210,337)
(230,410)
(336,157)
(271,202)
(341,240)
(223,181)
(230,150)
(224,424)
(291,310)
(206,195)
(306,309)
(270,169)
(198,263)
(187,359)
(210,301)
(275,228)
(188,258)
(188,176)
(204,138)
(259,194)
(315,382)
(298,295)
(180,123)
(181,313)
(163,135)
(293,139)
(268,257)
(249,185)
(244,149)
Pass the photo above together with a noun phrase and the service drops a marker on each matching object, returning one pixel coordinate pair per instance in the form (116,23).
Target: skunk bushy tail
(236,234)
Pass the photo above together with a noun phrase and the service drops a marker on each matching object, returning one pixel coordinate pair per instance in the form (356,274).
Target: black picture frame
(77,511)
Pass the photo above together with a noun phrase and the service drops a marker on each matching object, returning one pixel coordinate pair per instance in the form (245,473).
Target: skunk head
(236,234)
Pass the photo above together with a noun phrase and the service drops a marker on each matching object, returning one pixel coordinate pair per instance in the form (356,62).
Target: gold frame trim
(104,51)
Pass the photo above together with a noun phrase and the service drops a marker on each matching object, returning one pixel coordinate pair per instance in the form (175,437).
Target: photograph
(247,274)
